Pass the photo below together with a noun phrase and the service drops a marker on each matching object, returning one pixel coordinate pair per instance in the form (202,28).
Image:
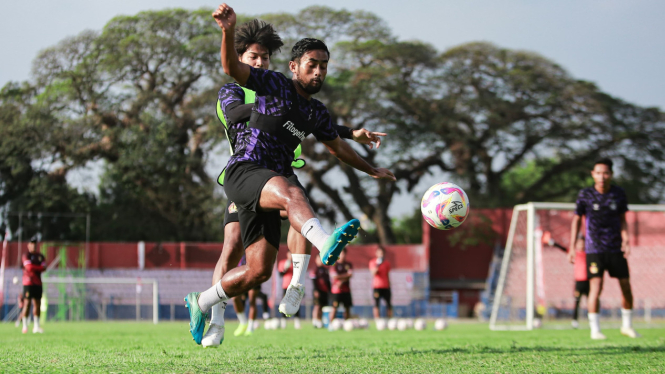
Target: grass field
(122,347)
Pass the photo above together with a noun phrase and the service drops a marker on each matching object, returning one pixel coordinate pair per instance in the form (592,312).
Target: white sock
(217,314)
(25,322)
(296,322)
(300,263)
(250,325)
(594,322)
(36,323)
(626,318)
(242,318)
(313,231)
(212,296)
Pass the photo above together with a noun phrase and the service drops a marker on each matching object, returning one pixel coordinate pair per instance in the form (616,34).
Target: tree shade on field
(509,126)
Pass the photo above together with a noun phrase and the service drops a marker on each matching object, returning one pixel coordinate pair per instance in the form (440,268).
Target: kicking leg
(280,194)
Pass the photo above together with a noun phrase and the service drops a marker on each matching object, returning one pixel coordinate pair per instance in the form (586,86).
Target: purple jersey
(275,96)
(603,218)
(230,96)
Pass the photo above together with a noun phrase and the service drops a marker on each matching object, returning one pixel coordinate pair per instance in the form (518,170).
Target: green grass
(141,347)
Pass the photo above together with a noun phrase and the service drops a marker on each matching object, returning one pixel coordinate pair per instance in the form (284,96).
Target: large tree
(509,126)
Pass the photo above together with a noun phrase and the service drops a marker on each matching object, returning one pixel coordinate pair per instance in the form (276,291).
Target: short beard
(311,90)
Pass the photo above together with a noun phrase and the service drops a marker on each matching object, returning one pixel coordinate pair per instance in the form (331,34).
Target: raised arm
(226,19)
(343,151)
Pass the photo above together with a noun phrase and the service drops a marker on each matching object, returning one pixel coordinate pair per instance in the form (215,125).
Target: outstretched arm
(226,19)
(574,230)
(343,151)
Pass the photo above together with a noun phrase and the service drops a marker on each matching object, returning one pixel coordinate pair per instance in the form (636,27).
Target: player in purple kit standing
(607,243)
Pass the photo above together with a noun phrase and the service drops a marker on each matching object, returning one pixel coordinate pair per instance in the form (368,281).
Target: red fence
(107,255)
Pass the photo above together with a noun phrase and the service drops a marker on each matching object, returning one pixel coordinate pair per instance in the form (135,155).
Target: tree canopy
(138,97)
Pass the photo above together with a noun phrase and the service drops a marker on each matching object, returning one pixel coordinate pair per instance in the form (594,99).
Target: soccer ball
(402,324)
(392,323)
(336,324)
(348,325)
(409,323)
(362,323)
(15,280)
(445,206)
(440,324)
(420,324)
(381,324)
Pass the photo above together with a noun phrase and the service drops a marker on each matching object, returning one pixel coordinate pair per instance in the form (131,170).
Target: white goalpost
(102,298)
(536,279)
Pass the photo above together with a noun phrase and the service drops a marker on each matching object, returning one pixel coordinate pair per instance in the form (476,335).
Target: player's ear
(293,66)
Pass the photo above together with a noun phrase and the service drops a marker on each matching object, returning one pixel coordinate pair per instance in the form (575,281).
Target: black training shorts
(343,298)
(613,262)
(243,184)
(231,214)
(32,292)
(382,293)
(320,298)
(581,288)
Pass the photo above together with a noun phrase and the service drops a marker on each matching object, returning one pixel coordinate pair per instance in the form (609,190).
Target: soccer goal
(536,280)
(103,299)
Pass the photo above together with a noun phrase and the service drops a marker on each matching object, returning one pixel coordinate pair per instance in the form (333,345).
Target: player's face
(342,256)
(379,253)
(310,72)
(31,247)
(256,56)
(601,174)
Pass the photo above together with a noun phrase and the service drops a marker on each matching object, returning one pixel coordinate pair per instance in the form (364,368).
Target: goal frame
(531,208)
(154,282)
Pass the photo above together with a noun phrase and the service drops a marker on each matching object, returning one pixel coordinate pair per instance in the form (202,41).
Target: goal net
(103,299)
(536,280)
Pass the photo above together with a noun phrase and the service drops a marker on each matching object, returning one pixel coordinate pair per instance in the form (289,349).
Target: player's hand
(364,136)
(225,17)
(625,247)
(382,173)
(571,255)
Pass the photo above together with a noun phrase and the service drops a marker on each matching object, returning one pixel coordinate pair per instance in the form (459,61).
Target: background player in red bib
(580,271)
(380,269)
(341,274)
(321,279)
(607,243)
(34,264)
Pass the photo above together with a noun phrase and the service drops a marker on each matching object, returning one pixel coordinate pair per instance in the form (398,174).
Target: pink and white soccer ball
(445,206)
(363,323)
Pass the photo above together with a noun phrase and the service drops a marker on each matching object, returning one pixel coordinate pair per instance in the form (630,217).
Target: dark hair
(258,32)
(305,45)
(381,248)
(604,161)
(34,239)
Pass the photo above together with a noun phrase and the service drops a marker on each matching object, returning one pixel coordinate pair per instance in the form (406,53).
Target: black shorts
(320,298)
(32,292)
(231,214)
(343,298)
(243,184)
(614,263)
(382,293)
(581,288)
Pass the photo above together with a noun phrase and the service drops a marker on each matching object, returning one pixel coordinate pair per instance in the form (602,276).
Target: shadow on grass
(474,350)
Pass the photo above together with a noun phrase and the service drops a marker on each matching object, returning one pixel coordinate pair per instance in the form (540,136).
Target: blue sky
(619,45)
